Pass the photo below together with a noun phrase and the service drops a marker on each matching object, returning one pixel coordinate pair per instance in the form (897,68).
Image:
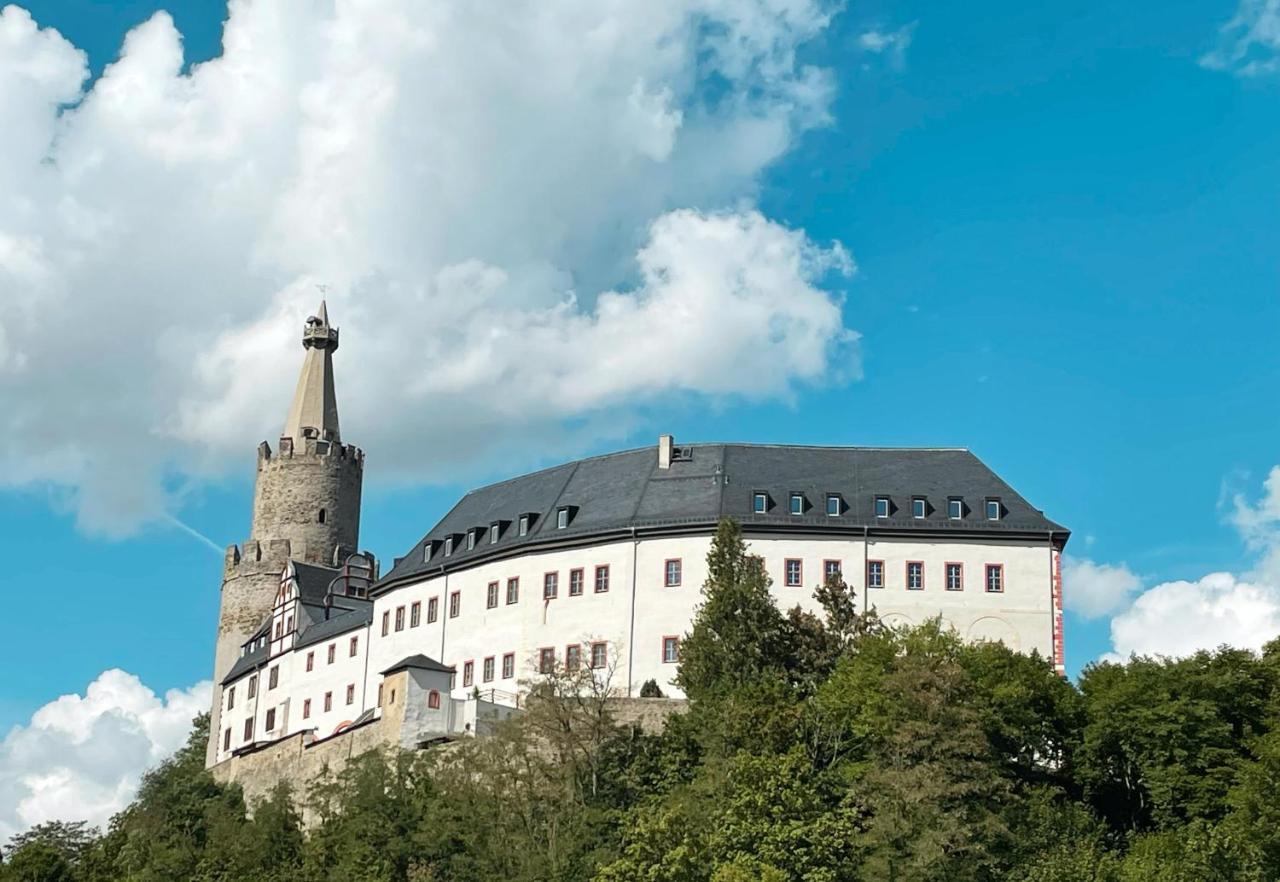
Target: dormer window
(955,508)
(919,508)
(426,551)
(448,546)
(882,506)
(760,503)
(562,518)
(994,509)
(797,503)
(524,525)
(494,531)
(835,505)
(471,539)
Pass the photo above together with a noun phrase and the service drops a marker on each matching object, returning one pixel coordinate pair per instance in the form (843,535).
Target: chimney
(666,443)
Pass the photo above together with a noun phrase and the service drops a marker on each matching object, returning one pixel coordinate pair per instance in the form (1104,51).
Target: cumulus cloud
(1249,44)
(1181,617)
(1092,590)
(533,221)
(81,756)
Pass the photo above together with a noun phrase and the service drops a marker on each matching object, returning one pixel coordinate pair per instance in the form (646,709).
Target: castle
(597,563)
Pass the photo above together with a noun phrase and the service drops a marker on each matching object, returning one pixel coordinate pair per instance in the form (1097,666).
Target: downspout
(866,588)
(444,614)
(631,640)
(368,650)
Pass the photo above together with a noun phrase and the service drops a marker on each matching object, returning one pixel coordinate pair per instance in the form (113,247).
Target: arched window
(433,700)
(321,517)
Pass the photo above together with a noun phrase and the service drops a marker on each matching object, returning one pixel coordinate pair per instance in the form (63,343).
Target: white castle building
(597,562)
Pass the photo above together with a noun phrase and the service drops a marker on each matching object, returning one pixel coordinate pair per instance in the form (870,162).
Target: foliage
(818,745)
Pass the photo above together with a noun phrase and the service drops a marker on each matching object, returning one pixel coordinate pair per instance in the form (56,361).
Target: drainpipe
(631,640)
(444,616)
(866,589)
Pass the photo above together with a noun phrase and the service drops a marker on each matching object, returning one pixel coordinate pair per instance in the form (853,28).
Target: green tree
(37,861)
(738,634)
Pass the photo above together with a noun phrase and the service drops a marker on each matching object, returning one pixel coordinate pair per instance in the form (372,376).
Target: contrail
(194,533)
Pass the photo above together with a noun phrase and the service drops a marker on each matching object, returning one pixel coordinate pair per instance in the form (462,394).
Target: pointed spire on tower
(314,412)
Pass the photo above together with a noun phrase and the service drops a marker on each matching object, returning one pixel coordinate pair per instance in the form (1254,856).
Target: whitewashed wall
(635,615)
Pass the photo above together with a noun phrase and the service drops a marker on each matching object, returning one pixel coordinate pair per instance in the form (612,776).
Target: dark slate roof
(315,622)
(418,661)
(625,491)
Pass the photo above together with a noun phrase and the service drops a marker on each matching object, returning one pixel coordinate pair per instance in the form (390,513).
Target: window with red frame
(599,655)
(672,573)
(468,673)
(915,576)
(602,579)
(955,577)
(433,700)
(546,660)
(995,578)
(670,650)
(572,657)
(794,572)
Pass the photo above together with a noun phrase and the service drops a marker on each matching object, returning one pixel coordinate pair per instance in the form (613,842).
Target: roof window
(797,503)
(955,508)
(562,518)
(919,508)
(882,506)
(524,525)
(760,502)
(448,546)
(994,509)
(835,505)
(495,530)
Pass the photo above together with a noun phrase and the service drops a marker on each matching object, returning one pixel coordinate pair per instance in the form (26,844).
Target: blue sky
(1064,228)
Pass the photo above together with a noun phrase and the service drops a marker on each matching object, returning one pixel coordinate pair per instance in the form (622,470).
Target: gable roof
(618,493)
(420,662)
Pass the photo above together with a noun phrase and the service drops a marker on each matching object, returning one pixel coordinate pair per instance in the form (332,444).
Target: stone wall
(300,760)
(299,482)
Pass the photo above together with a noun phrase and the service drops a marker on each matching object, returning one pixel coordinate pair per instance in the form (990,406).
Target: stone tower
(306,505)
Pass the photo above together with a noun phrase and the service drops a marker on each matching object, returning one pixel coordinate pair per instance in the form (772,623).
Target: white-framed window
(399,618)
(875,574)
(955,577)
(524,525)
(882,506)
(794,569)
(599,655)
(995,578)
(550,586)
(415,614)
(433,609)
(576,580)
(513,590)
(448,546)
(670,650)
(993,509)
(508,666)
(760,503)
(915,575)
(455,604)
(672,574)
(494,530)
(471,539)
(831,569)
(562,518)
(602,578)
(797,504)
(918,507)
(468,673)
(491,596)
(487,670)
(834,505)
(955,509)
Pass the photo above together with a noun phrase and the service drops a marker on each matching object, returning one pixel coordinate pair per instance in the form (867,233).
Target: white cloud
(81,756)
(890,44)
(1179,618)
(535,221)
(1248,44)
(1092,590)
